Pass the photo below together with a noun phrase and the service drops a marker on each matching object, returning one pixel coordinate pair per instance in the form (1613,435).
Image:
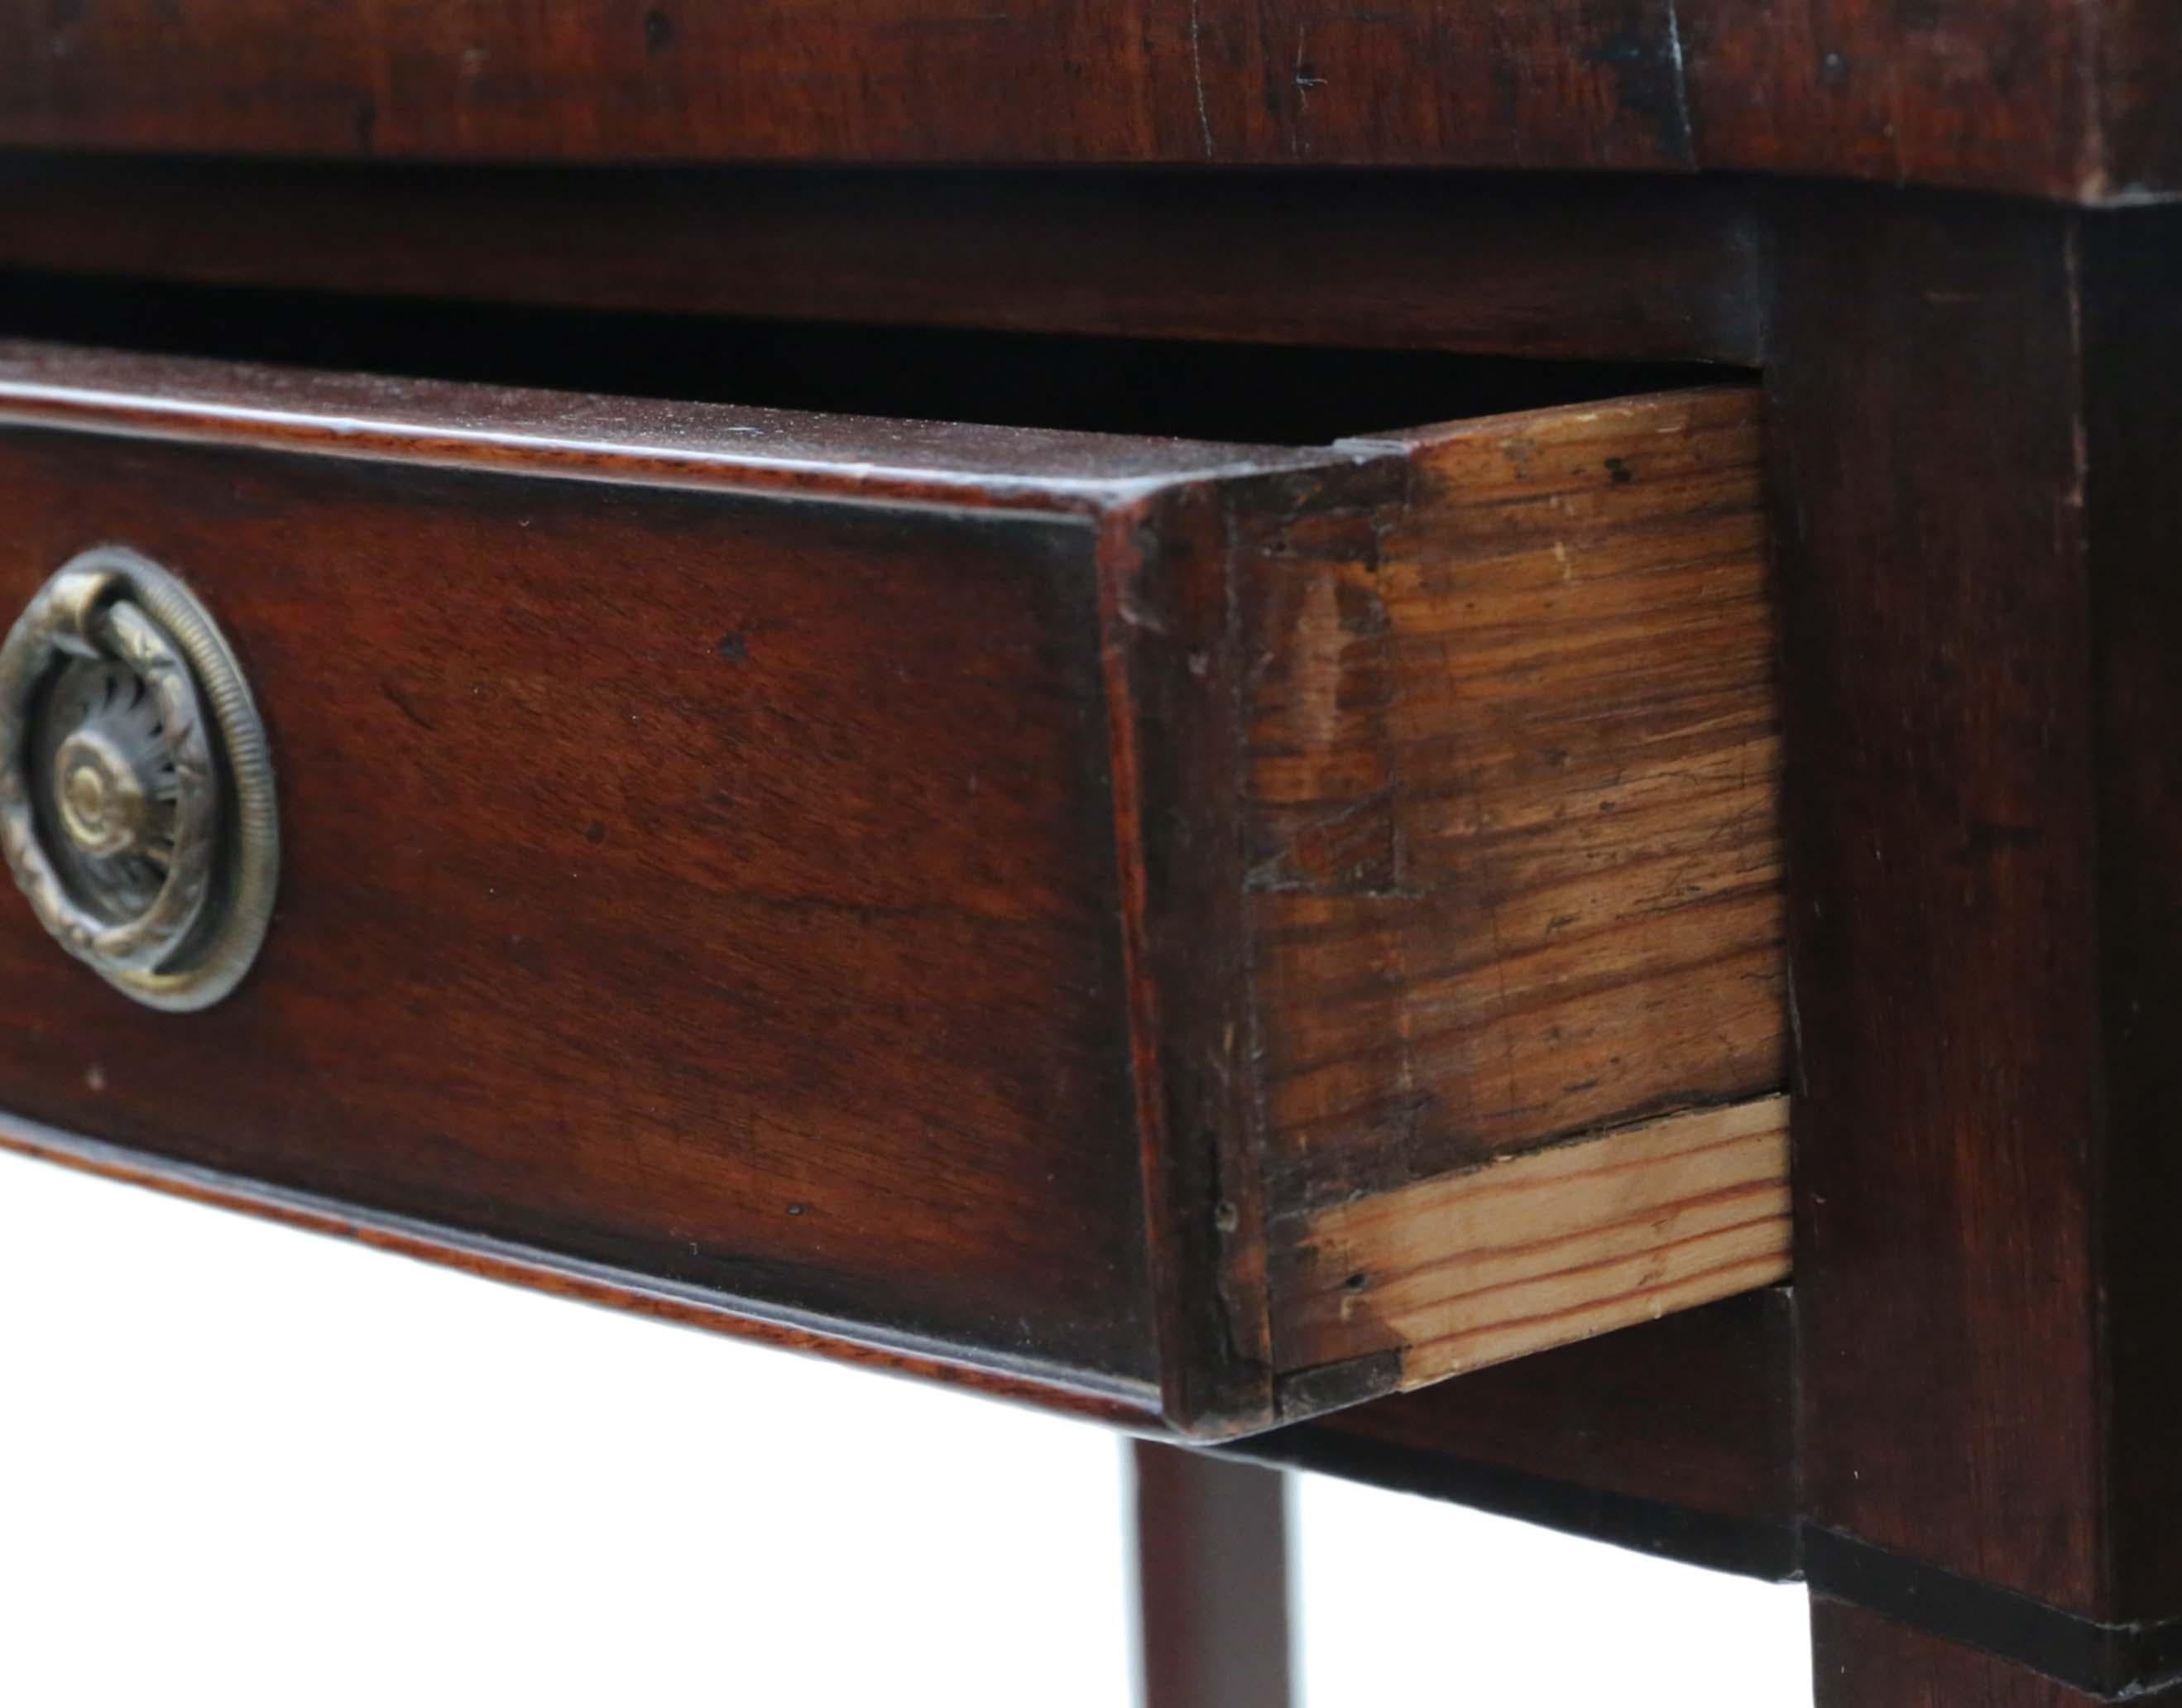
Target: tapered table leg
(1212,1581)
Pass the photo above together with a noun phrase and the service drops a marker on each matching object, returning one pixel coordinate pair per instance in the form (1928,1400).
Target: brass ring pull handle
(136,809)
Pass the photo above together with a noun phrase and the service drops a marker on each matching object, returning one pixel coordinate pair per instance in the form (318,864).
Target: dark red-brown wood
(590,1284)
(1534,264)
(1676,1438)
(721,890)
(1864,1659)
(1977,535)
(2051,97)
(1692,1411)
(2130,270)
(1212,1587)
(1940,802)
(550,964)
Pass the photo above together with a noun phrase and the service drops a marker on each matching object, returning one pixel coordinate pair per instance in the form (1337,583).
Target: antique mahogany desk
(1437,740)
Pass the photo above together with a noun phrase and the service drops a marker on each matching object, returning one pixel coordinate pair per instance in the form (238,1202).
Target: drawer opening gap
(1252,393)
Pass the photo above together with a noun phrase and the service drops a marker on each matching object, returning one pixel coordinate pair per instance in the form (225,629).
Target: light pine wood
(1513,779)
(1538,1249)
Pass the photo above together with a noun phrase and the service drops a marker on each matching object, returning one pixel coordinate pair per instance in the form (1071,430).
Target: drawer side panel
(1513,869)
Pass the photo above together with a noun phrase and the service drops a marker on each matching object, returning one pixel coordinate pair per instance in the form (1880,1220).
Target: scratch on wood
(1197,75)
(1305,79)
(1681,77)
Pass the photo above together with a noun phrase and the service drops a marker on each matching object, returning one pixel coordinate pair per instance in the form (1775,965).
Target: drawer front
(713,887)
(1198,933)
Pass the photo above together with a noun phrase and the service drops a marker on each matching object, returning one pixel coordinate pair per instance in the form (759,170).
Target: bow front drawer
(1189,932)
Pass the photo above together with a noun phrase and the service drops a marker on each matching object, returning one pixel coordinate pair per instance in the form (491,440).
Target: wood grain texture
(1133,1405)
(1975,516)
(1863,1660)
(1547,1247)
(631,837)
(2029,94)
(1168,605)
(1514,854)
(802,860)
(1561,266)
(1942,799)
(1453,822)
(1512,845)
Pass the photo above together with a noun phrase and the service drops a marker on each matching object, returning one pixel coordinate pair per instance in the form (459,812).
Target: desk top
(2063,99)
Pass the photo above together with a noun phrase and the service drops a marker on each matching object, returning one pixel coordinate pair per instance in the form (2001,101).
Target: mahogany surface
(2132,280)
(1124,1405)
(1945,940)
(1976,538)
(1861,1658)
(2051,97)
(527,890)
(1531,263)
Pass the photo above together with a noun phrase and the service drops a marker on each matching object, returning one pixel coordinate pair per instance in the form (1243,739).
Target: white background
(242,1465)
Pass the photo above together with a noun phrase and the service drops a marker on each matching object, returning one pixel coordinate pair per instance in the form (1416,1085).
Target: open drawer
(1188,932)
